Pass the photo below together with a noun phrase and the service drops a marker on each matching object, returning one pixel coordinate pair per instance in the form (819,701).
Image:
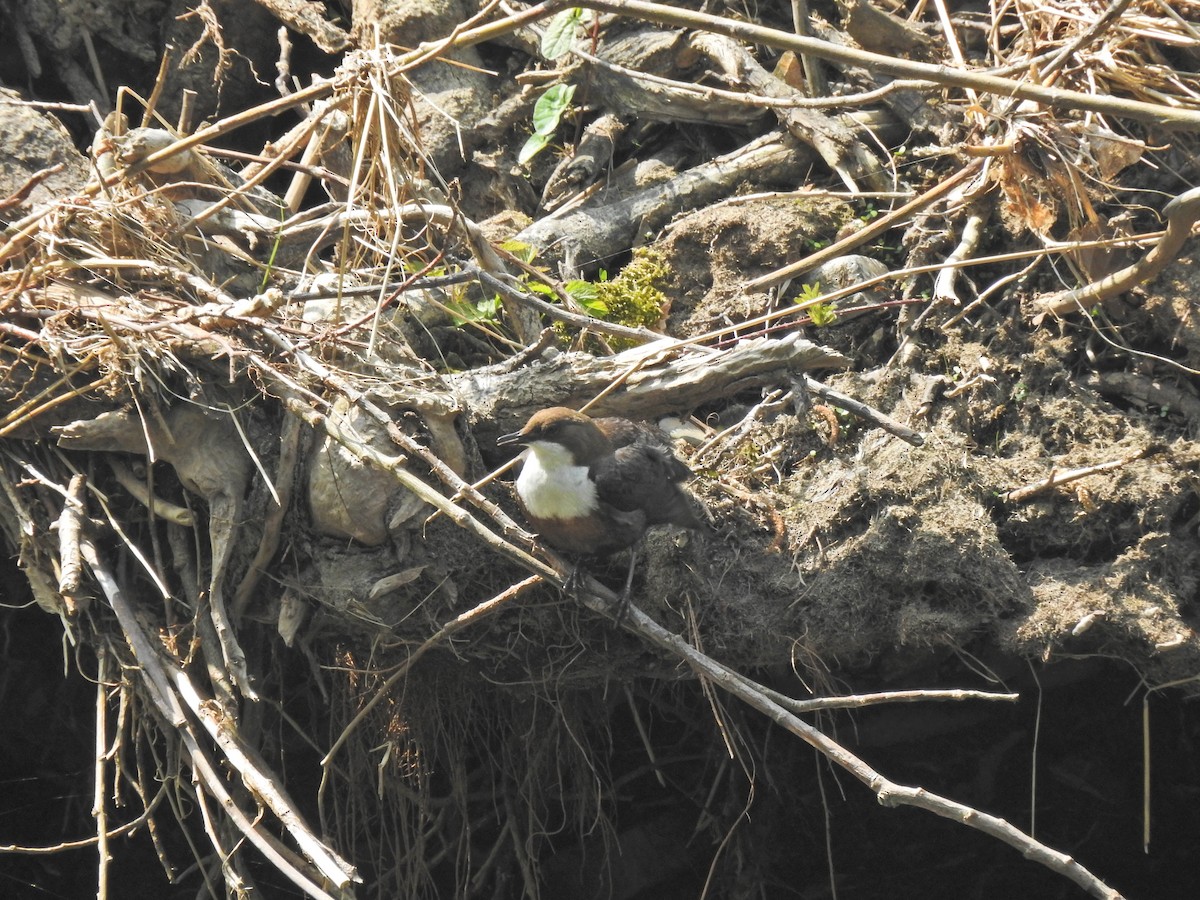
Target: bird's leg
(622,607)
(574,581)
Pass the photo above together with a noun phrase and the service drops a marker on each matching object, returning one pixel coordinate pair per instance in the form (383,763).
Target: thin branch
(601,600)
(860,409)
(1158,114)
(1064,476)
(482,610)
(70,526)
(289,456)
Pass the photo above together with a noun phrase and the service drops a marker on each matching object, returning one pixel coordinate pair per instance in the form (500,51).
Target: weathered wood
(653,380)
(598,233)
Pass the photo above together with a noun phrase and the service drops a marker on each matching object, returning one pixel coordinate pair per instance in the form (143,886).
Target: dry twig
(601,600)
(1065,476)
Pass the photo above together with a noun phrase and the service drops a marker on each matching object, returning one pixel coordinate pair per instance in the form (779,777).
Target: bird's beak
(510,440)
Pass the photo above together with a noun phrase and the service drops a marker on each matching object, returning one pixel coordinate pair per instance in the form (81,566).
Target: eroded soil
(905,548)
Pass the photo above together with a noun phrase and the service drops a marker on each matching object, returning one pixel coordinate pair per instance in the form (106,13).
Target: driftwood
(1181,214)
(836,141)
(642,383)
(644,74)
(882,32)
(208,453)
(595,234)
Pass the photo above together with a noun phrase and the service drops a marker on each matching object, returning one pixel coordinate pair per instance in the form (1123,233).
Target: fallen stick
(1065,476)
(1181,214)
(599,599)
(863,411)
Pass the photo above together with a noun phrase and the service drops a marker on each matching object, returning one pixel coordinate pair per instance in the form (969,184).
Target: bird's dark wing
(627,433)
(642,477)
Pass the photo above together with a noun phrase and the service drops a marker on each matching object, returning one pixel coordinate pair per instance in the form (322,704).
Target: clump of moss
(634,297)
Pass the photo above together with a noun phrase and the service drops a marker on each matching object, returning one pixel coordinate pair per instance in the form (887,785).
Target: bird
(591,487)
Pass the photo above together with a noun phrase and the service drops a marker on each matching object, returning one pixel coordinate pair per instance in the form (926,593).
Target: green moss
(634,297)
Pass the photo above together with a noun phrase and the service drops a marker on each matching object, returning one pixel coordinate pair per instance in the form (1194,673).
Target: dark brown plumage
(591,487)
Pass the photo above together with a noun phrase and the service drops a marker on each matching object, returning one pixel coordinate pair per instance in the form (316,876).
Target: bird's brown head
(573,430)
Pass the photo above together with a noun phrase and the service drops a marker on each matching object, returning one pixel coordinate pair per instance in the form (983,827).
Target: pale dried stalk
(600,599)
(70,526)
(972,232)
(262,784)
(1159,114)
(158,676)
(99,810)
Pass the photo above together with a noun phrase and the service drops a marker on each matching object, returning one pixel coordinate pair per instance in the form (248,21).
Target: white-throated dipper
(591,487)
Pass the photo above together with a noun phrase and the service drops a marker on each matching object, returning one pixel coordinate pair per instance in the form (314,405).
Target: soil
(905,548)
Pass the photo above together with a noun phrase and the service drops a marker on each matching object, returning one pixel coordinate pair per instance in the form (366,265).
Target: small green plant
(560,33)
(809,292)
(547,113)
(821,314)
(582,292)
(464,312)
(631,298)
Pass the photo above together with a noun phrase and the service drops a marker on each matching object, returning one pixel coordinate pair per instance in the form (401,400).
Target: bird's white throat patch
(552,487)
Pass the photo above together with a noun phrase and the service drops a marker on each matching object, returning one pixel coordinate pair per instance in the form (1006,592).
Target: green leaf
(550,106)
(596,307)
(586,295)
(547,113)
(526,253)
(535,145)
(581,290)
(560,33)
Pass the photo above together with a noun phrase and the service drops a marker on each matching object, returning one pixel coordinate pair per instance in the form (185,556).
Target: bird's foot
(621,608)
(573,586)
(574,581)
